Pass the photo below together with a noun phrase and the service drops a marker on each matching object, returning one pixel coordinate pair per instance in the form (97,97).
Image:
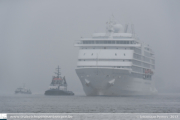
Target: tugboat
(22,90)
(58,85)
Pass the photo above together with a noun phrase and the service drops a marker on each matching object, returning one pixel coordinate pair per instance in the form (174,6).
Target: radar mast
(58,73)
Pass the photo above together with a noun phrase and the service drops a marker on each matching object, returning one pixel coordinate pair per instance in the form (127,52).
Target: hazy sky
(38,35)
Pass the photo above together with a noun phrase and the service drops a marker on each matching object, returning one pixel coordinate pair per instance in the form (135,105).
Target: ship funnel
(132,29)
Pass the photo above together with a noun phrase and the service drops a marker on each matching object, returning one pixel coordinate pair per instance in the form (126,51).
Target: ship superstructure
(115,63)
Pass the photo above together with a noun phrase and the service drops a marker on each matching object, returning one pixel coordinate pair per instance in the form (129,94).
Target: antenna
(110,24)
(58,72)
(126,28)
(65,80)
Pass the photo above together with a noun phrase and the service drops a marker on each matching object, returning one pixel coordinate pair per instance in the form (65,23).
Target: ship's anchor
(111,82)
(87,82)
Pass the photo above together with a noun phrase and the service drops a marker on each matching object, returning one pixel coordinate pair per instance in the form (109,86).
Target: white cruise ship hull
(113,82)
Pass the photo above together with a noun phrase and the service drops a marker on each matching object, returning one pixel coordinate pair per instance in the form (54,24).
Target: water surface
(169,103)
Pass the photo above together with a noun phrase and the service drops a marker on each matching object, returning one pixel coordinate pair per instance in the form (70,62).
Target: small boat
(22,90)
(58,85)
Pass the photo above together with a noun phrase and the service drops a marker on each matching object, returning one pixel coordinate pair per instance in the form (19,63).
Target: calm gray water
(84,104)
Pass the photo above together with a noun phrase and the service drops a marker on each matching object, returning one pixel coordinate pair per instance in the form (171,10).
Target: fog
(37,36)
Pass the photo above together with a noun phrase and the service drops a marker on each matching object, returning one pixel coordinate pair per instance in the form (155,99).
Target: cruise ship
(115,63)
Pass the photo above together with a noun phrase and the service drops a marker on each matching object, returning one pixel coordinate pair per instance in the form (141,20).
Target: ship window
(84,42)
(104,47)
(115,54)
(92,54)
(90,42)
(109,42)
(124,54)
(100,42)
(113,42)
